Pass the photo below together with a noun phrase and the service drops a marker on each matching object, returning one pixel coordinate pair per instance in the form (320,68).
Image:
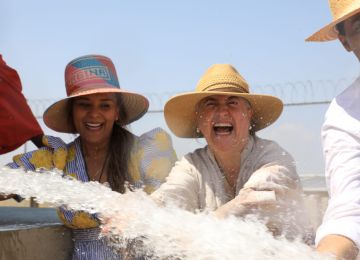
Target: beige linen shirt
(196,182)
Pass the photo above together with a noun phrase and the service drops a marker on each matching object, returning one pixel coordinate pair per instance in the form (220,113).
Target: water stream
(162,232)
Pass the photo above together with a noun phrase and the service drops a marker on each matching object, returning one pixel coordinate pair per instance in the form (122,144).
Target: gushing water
(161,232)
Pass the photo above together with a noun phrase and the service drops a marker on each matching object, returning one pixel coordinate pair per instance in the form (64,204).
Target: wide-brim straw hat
(220,79)
(340,10)
(92,74)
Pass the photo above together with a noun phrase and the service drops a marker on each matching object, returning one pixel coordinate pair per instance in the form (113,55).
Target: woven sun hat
(340,10)
(92,74)
(220,79)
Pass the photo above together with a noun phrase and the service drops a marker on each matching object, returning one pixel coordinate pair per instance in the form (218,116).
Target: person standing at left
(17,122)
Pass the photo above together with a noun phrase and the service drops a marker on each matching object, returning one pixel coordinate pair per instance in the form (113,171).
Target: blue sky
(165,46)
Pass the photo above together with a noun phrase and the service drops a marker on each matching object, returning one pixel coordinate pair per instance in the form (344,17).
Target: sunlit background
(161,48)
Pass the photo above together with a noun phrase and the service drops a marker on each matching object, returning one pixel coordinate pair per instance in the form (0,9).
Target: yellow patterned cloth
(152,157)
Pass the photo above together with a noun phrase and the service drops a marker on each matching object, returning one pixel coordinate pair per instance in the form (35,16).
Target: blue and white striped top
(152,157)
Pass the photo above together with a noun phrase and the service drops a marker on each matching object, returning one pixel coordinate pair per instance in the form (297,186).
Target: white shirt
(341,145)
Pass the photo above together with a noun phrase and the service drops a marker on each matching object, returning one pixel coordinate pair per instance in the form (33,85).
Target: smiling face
(351,37)
(224,121)
(94,116)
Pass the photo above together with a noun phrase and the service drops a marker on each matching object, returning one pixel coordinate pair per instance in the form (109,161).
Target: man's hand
(340,246)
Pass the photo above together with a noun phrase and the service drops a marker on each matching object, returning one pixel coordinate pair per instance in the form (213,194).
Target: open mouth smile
(93,126)
(223,128)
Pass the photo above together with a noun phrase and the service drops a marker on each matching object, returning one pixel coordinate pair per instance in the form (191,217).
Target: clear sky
(165,46)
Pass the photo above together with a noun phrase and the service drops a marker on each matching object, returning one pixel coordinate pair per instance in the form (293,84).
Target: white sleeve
(341,144)
(275,170)
(153,156)
(181,187)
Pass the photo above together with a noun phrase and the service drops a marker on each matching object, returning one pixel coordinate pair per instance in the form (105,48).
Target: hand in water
(250,201)
(251,197)
(116,224)
(246,202)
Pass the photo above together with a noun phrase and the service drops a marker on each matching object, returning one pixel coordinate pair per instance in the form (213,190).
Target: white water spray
(163,232)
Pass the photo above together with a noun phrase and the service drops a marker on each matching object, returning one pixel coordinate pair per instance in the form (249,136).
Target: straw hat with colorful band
(220,79)
(340,10)
(87,75)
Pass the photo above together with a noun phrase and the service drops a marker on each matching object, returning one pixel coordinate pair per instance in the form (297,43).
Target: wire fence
(298,93)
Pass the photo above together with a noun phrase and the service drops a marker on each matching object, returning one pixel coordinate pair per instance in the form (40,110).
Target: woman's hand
(246,202)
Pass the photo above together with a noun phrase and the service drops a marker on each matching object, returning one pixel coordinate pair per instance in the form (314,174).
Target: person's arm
(273,181)
(37,140)
(181,187)
(341,145)
(18,124)
(273,192)
(340,246)
(265,192)
(153,157)
(246,202)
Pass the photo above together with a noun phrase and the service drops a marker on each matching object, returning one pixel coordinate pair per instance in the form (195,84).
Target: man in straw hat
(98,110)
(340,230)
(236,173)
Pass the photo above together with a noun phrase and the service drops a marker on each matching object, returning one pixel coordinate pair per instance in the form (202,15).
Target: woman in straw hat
(237,173)
(98,111)
(340,231)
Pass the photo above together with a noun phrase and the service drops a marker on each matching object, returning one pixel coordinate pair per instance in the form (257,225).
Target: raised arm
(340,231)
(273,190)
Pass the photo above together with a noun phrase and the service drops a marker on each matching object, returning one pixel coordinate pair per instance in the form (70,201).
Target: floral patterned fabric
(152,158)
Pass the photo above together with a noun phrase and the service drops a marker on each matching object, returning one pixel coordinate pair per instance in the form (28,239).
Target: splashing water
(163,232)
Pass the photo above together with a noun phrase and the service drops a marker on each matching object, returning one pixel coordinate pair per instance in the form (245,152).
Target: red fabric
(17,122)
